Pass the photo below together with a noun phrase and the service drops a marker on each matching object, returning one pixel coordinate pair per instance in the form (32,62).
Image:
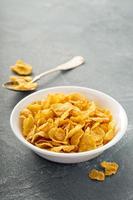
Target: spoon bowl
(11,86)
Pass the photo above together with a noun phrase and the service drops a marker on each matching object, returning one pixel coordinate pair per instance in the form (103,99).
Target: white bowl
(102,99)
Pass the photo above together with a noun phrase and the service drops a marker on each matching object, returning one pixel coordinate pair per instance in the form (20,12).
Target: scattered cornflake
(109,167)
(22,68)
(97,175)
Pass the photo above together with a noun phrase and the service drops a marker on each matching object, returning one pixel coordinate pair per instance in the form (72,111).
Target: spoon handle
(74,62)
(36,78)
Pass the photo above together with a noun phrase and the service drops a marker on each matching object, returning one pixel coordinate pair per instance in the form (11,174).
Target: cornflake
(96,175)
(110,167)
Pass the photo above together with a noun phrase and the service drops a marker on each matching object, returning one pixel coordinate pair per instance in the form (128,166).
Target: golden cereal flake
(96,175)
(110,167)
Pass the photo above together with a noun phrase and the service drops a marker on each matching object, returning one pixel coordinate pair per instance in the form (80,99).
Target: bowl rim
(116,139)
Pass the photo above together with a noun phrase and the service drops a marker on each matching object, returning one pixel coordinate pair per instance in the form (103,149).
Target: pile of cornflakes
(67,123)
(110,168)
(23,83)
(22,68)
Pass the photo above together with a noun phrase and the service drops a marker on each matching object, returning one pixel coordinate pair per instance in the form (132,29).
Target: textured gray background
(46,33)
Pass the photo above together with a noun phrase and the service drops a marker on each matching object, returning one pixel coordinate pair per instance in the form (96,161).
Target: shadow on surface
(18,97)
(61,181)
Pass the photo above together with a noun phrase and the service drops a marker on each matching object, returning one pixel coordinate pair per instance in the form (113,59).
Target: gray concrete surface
(47,33)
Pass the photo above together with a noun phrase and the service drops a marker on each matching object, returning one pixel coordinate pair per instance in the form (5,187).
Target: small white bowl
(102,99)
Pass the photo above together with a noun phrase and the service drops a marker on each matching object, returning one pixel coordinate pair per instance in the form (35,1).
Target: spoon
(71,64)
